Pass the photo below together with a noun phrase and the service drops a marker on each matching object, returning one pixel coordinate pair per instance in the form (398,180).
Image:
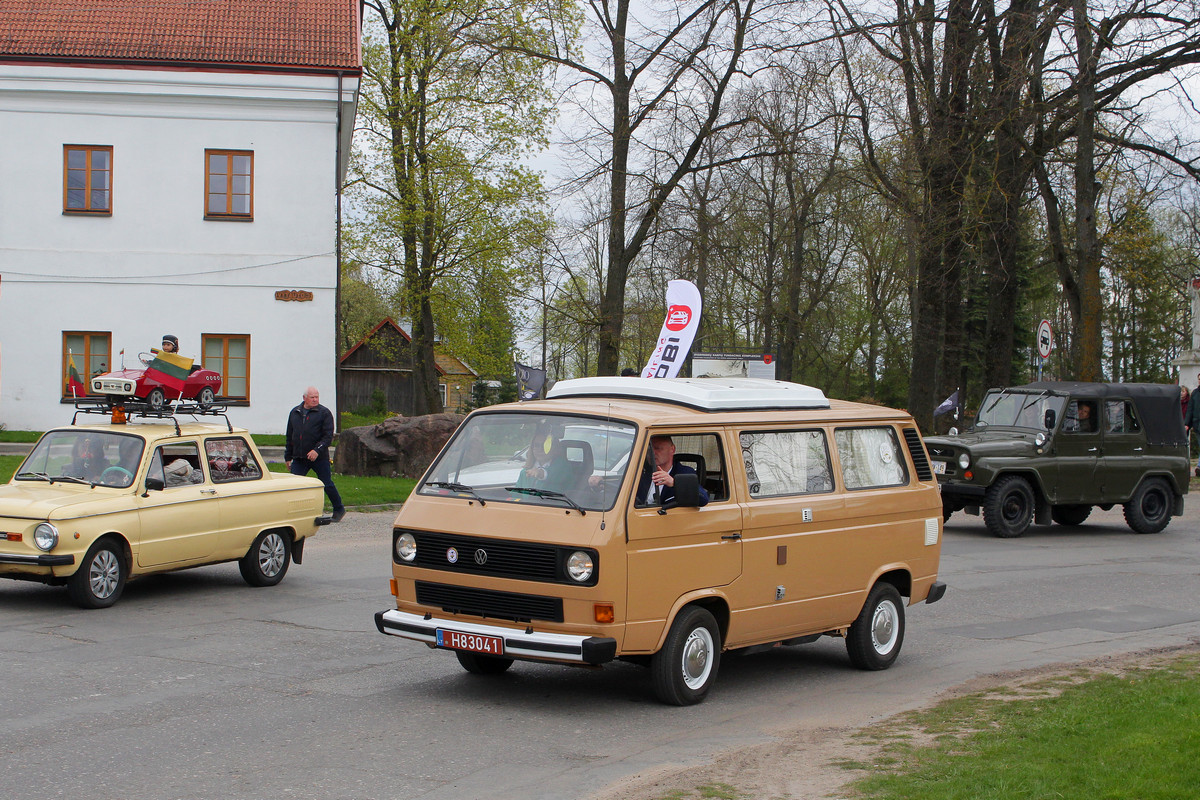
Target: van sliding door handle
(732,536)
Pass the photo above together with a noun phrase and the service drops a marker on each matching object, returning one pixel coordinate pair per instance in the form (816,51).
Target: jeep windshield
(537,459)
(1014,409)
(83,456)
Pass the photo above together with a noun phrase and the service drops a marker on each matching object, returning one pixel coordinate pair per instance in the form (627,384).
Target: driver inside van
(658,487)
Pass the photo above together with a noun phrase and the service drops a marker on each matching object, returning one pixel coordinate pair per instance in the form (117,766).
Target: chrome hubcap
(697,658)
(884,627)
(270,555)
(103,574)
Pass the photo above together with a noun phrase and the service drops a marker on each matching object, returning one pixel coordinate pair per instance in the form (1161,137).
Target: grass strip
(1084,735)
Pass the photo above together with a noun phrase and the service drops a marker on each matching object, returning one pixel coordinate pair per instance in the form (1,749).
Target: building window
(87,179)
(229,354)
(229,184)
(85,354)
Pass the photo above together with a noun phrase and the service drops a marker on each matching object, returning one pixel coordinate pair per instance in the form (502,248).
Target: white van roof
(706,394)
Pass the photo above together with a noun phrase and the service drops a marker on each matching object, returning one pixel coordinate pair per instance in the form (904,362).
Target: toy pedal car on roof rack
(202,385)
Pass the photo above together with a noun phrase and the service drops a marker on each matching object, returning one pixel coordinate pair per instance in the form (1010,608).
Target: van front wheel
(686,667)
(480,664)
(875,637)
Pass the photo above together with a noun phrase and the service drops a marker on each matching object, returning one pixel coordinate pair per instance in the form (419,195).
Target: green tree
(443,198)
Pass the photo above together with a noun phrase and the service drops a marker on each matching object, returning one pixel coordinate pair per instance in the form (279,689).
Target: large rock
(397,447)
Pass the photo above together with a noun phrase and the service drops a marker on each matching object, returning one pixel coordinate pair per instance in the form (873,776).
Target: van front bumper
(522,644)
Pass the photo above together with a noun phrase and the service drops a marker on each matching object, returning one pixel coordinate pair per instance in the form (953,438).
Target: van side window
(702,453)
(871,457)
(786,462)
(1120,416)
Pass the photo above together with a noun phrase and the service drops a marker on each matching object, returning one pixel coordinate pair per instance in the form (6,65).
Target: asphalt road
(197,686)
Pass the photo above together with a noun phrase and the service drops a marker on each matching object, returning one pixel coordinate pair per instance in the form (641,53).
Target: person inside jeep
(1084,419)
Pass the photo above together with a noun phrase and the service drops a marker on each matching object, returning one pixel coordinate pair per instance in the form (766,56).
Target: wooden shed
(382,361)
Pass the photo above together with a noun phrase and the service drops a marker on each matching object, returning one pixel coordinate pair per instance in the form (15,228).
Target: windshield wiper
(461,488)
(549,494)
(73,479)
(59,478)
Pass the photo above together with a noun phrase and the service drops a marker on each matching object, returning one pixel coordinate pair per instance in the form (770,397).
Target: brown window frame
(82,360)
(228,175)
(89,175)
(224,370)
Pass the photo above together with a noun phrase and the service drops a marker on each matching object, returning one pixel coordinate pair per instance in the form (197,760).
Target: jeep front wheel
(1008,507)
(1149,510)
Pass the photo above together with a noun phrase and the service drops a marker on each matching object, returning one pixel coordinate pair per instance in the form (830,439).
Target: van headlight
(45,536)
(964,460)
(406,547)
(579,566)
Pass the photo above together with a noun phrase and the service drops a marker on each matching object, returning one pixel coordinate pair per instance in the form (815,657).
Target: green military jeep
(1051,451)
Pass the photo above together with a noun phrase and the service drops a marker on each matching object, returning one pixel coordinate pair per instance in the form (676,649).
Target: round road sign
(1045,338)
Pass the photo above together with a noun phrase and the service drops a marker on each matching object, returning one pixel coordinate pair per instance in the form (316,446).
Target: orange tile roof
(292,34)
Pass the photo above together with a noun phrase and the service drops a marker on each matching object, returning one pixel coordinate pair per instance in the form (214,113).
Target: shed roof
(300,35)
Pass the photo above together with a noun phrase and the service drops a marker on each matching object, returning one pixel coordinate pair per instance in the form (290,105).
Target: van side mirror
(1049,420)
(155,484)
(687,492)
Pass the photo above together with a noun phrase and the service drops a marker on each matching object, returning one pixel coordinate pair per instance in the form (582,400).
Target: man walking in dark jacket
(1191,420)
(309,434)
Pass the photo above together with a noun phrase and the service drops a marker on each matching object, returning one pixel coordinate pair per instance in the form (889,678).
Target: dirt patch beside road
(802,762)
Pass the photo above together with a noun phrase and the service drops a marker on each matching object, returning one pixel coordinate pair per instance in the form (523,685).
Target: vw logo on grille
(452,555)
(481,556)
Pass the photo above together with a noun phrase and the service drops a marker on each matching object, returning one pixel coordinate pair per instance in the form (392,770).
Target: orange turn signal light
(969,475)
(13,537)
(604,612)
(395,591)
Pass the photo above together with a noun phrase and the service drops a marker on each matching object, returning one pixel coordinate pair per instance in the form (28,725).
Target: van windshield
(580,459)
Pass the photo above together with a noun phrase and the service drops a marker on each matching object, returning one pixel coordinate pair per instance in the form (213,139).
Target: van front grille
(499,558)
(488,603)
(479,556)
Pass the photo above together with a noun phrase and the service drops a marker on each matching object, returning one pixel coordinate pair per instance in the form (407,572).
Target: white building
(172,168)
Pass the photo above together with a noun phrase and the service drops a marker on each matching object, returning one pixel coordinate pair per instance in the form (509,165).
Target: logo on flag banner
(169,369)
(949,404)
(678,331)
(530,381)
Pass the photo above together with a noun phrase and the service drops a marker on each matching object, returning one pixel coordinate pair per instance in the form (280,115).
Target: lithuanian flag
(169,369)
(74,382)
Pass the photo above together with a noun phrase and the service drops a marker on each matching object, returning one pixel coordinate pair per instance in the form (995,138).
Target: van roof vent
(705,394)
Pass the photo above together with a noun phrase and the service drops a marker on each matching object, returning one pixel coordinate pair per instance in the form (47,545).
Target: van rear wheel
(686,667)
(1070,515)
(875,637)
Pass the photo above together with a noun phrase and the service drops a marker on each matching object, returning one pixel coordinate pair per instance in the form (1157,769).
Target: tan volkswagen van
(549,530)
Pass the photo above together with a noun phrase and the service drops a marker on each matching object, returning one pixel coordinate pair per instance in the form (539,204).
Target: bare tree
(674,72)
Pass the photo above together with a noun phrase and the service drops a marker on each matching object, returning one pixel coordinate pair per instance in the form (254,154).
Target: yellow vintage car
(94,505)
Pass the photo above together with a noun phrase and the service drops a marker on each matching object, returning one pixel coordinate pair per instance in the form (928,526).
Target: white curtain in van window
(870,457)
(678,331)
